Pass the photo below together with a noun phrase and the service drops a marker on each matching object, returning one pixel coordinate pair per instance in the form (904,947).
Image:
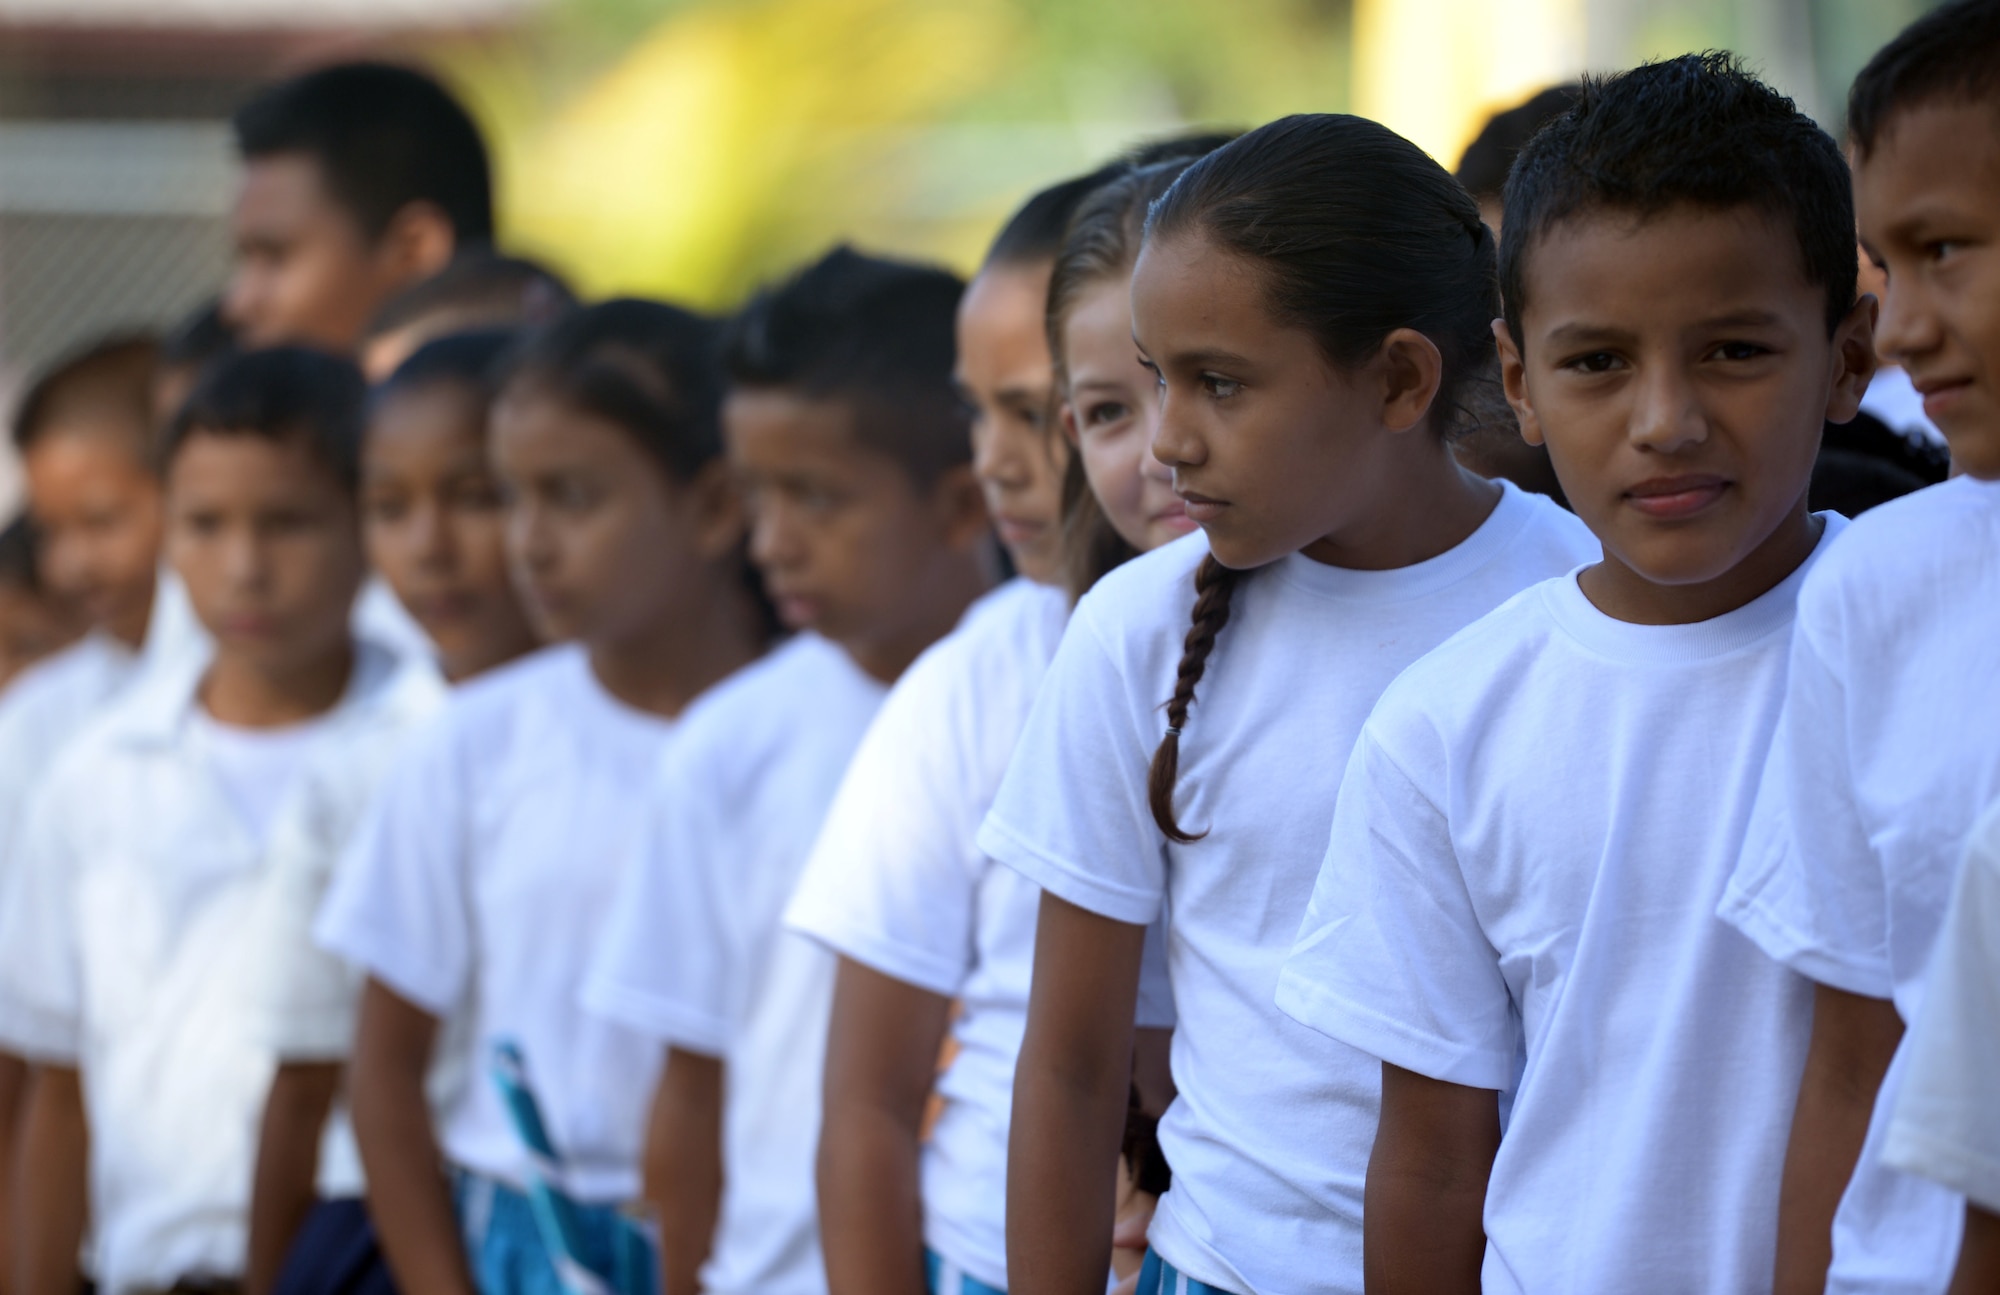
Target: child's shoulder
(61,688)
(771,701)
(1153,588)
(1450,686)
(483,711)
(1015,627)
(1900,555)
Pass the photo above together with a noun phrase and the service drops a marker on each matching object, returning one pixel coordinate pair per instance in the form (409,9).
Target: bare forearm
(409,1199)
(282,1190)
(871,1207)
(1423,1229)
(1979,1256)
(684,1167)
(1062,1180)
(13,1115)
(1853,1041)
(55,1157)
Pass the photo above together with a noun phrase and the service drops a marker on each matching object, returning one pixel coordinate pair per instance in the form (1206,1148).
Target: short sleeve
(41,979)
(671,965)
(893,880)
(1071,814)
(400,908)
(1946,1123)
(1808,887)
(1391,958)
(307,998)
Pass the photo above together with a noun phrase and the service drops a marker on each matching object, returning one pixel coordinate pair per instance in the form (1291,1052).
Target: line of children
(1431,817)
(870,532)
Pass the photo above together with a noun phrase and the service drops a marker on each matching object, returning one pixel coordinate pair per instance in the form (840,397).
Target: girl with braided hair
(1315,301)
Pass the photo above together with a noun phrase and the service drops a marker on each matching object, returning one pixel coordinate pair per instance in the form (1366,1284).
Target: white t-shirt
(1270,1135)
(897,882)
(1519,894)
(697,957)
(136,933)
(1883,762)
(256,768)
(480,886)
(1946,1125)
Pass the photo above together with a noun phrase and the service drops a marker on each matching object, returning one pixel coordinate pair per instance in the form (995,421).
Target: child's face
(1005,374)
(267,541)
(433,525)
(1271,447)
(602,542)
(1110,415)
(1928,196)
(305,272)
(849,543)
(1679,371)
(97,508)
(32,625)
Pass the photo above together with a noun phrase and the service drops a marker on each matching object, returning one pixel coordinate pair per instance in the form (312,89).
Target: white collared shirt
(132,937)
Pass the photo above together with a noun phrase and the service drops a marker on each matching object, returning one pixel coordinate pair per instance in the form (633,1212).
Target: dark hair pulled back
(1357,233)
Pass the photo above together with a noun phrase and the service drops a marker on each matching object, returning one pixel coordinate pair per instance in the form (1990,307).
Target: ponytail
(1214,585)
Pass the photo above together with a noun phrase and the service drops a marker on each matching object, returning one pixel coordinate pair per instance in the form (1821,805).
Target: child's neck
(131,629)
(248,695)
(933,613)
(685,650)
(1426,505)
(1623,594)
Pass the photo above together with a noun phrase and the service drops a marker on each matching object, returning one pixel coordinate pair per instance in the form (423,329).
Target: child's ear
(1514,381)
(1854,359)
(720,522)
(962,507)
(1066,419)
(419,242)
(1412,369)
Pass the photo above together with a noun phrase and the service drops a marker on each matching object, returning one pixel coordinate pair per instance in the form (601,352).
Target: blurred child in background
(434,529)
(1885,758)
(486,873)
(132,932)
(1312,296)
(34,623)
(359,180)
(866,522)
(479,289)
(896,885)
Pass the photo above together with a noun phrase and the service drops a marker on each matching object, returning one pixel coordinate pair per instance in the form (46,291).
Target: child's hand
(1128,1239)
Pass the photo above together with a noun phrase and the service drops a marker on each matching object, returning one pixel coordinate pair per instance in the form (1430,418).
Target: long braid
(1214,584)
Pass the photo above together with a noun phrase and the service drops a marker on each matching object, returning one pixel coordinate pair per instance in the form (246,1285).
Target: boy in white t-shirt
(850,443)
(1884,760)
(152,840)
(1946,1124)
(1585,1074)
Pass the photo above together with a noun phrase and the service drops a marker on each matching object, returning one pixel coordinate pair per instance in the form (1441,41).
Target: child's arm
(1071,1089)
(1423,1214)
(408,1197)
(283,1189)
(55,1157)
(684,1166)
(881,1062)
(14,1078)
(1853,1041)
(1979,1255)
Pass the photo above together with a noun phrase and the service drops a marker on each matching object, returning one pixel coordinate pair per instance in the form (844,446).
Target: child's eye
(1741,350)
(1109,411)
(1941,249)
(1220,387)
(1592,362)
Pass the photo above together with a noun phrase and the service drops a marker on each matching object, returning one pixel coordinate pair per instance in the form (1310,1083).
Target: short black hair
(384,137)
(1182,148)
(202,336)
(480,287)
(1696,130)
(108,379)
(1950,55)
(20,561)
(278,394)
(1483,167)
(472,359)
(873,332)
